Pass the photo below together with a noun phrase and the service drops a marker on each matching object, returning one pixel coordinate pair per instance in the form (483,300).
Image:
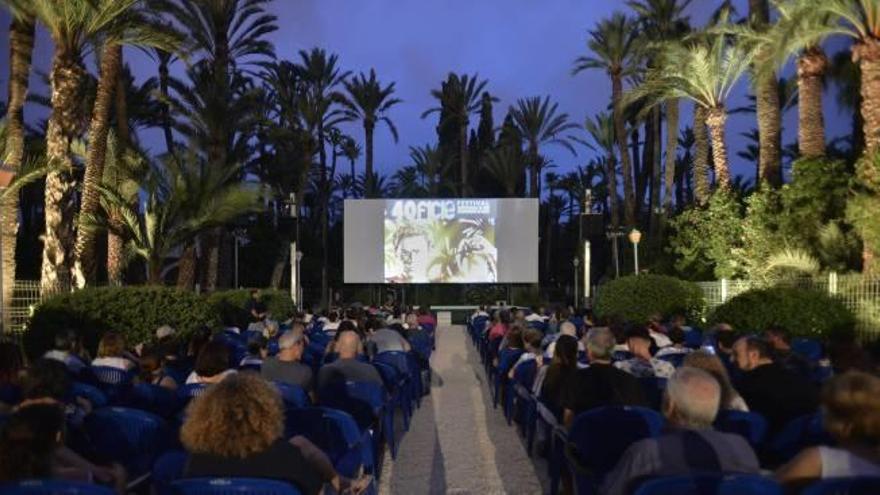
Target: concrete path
(457,442)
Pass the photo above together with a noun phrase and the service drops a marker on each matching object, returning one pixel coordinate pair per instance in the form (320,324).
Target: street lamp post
(237,234)
(576,262)
(298,302)
(294,254)
(635,237)
(7,174)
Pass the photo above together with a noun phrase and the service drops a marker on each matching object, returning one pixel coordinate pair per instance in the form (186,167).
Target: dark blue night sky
(523,47)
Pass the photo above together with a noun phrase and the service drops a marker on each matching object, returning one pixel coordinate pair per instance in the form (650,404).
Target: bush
(803,312)
(135,312)
(231,303)
(636,298)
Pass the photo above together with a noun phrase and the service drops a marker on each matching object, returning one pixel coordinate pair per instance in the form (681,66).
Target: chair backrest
(750,425)
(169,467)
(676,359)
(858,485)
(335,432)
(654,388)
(798,434)
(507,358)
(292,395)
(693,338)
(53,487)
(108,375)
(362,400)
(601,435)
(91,393)
(390,376)
(191,391)
(808,348)
(128,436)
(230,486)
(524,374)
(153,398)
(398,359)
(711,484)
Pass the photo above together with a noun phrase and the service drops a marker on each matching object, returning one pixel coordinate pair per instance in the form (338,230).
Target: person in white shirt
(532,344)
(332,324)
(537,314)
(566,328)
(111,353)
(65,351)
(676,337)
(212,364)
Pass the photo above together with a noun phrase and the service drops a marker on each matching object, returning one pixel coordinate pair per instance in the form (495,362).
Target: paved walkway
(457,442)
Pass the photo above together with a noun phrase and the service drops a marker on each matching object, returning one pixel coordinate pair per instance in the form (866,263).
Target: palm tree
(459,98)
(351,150)
(601,131)
(508,166)
(428,161)
(767,100)
(130,27)
(367,101)
(539,124)
(406,183)
(21,44)
(614,47)
(702,182)
(705,72)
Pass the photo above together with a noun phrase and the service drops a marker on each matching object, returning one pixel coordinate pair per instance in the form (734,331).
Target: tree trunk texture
(672,118)
(702,185)
(867,55)
(21,46)
(85,264)
(811,68)
(58,237)
(656,171)
(629,207)
(715,120)
(643,173)
(463,158)
(115,244)
(767,106)
(186,267)
(614,200)
(534,187)
(212,259)
(368,144)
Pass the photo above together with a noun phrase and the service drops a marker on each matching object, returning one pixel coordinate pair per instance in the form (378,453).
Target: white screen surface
(441,241)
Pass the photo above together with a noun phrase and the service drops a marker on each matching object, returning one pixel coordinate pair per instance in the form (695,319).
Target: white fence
(859,293)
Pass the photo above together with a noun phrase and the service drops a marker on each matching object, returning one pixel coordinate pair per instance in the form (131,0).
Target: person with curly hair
(236,428)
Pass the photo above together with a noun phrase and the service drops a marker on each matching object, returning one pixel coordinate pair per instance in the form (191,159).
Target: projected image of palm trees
(440,241)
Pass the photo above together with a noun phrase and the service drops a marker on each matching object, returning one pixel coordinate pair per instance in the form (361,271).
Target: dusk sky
(523,47)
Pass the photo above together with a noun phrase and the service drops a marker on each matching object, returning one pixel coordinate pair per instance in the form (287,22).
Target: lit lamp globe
(635,236)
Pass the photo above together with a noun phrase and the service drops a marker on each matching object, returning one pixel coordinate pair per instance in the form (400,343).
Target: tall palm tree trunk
(21,46)
(672,118)
(58,238)
(84,252)
(611,174)
(629,205)
(715,120)
(867,55)
(186,267)
(463,157)
(702,185)
(767,107)
(115,244)
(369,128)
(534,175)
(811,68)
(656,169)
(164,81)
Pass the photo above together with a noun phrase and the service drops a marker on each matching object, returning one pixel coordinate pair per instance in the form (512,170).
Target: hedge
(803,312)
(637,297)
(136,312)
(231,303)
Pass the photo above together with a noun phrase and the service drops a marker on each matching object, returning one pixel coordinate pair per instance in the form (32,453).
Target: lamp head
(635,236)
(576,261)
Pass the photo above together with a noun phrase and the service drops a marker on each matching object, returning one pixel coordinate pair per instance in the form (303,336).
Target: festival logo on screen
(440,241)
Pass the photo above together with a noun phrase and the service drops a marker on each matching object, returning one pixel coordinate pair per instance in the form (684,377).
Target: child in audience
(153,369)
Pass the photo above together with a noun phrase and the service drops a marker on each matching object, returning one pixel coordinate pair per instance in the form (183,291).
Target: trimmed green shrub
(636,298)
(135,312)
(803,312)
(231,303)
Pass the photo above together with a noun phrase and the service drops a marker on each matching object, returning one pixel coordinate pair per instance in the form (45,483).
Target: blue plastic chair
(337,434)
(397,386)
(10,394)
(401,362)
(153,398)
(113,381)
(229,486)
(798,434)
(506,359)
(91,393)
(190,391)
(676,359)
(693,338)
(168,468)
(293,396)
(131,437)
(711,484)
(859,485)
(599,437)
(654,388)
(519,392)
(53,487)
(368,404)
(808,348)
(750,425)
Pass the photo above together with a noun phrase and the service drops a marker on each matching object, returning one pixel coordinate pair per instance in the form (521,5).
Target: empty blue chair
(53,487)
(167,469)
(131,437)
(750,425)
(91,393)
(337,434)
(293,396)
(711,484)
(599,437)
(229,486)
(798,434)
(859,485)
(808,348)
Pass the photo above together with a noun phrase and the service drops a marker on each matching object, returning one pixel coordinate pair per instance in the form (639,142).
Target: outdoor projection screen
(450,241)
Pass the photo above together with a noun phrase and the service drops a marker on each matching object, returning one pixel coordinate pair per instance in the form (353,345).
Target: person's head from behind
(712,364)
(565,352)
(12,362)
(292,344)
(638,339)
(332,316)
(678,320)
(237,417)
(725,340)
(346,326)
(373,324)
(504,317)
(520,315)
(515,336)
(213,360)
(198,340)
(568,328)
(151,361)
(255,294)
(67,341)
(600,344)
(692,399)
(256,346)
(751,352)
(46,379)
(28,442)
(349,345)
(851,409)
(778,338)
(532,340)
(676,336)
(112,344)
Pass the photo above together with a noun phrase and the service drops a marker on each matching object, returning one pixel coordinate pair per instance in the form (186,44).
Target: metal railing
(25,295)
(859,293)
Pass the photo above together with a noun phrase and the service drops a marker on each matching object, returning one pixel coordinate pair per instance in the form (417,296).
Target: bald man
(347,367)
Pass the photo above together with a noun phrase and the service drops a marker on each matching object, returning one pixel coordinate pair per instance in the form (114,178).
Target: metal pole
(616,256)
(294,275)
(576,300)
(636,256)
(236,261)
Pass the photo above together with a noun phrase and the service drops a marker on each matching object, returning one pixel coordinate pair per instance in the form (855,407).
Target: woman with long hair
(730,398)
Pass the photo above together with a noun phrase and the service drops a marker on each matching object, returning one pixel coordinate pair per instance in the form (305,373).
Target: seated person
(331,324)
(235,429)
(67,350)
(657,331)
(725,337)
(385,339)
(427,318)
(111,353)
(679,320)
(536,315)
(153,369)
(48,382)
(642,364)
(212,365)
(780,341)
(692,446)
(851,414)
(552,380)
(600,384)
(769,389)
(532,345)
(676,338)
(565,328)
(710,363)
(347,367)
(256,352)
(32,447)
(256,308)
(287,366)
